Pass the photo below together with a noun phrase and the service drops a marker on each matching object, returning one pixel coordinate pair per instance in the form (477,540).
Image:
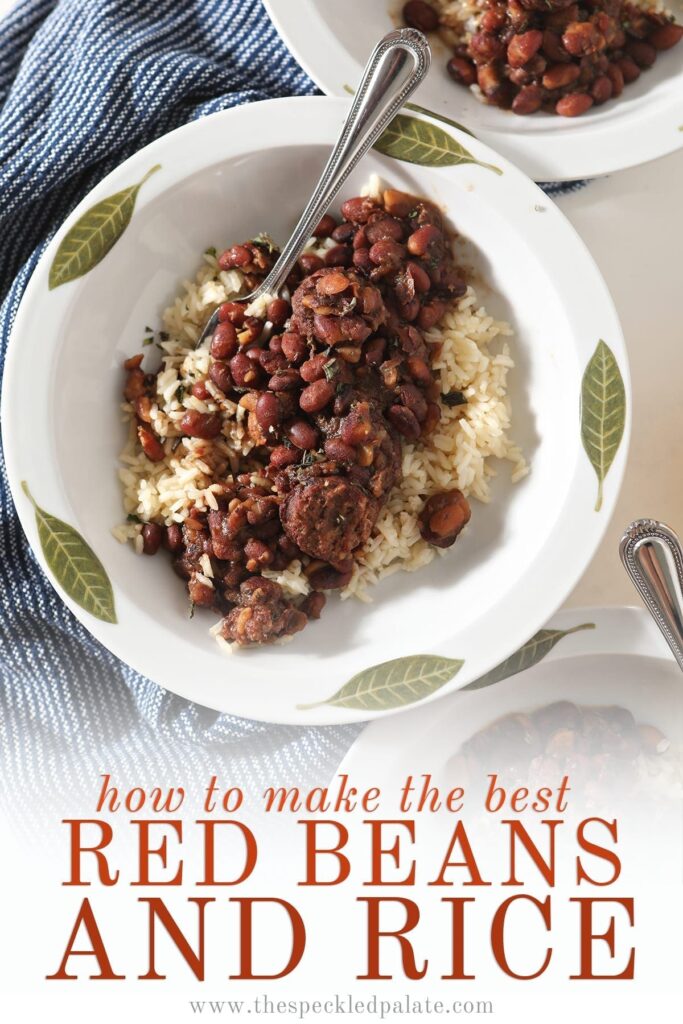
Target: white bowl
(332,41)
(224,178)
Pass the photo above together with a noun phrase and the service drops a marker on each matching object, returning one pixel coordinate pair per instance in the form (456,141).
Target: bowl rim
(267,125)
(620,631)
(561,156)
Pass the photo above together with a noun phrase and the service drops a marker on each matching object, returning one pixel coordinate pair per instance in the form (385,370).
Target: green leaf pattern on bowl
(74,564)
(603,412)
(94,234)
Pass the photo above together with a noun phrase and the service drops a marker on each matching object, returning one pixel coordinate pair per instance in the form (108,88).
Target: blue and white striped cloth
(83,84)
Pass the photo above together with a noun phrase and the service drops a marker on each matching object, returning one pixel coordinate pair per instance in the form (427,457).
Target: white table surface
(633,224)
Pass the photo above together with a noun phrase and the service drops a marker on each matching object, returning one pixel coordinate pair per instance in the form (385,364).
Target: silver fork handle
(398,64)
(651,553)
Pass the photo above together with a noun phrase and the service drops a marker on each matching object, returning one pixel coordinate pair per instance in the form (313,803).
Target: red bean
(421,15)
(220,375)
(173,538)
(431,314)
(414,400)
(559,75)
(629,69)
(327,578)
(268,411)
(356,428)
(374,351)
(325,227)
(486,47)
(360,239)
(410,310)
(205,425)
(574,104)
(278,312)
(615,76)
(309,262)
(582,38)
(200,391)
(283,456)
(313,604)
(303,435)
(343,233)
(423,239)
(152,535)
(666,36)
(242,368)
(362,261)
(420,277)
(493,19)
(528,100)
(601,89)
(419,370)
(404,421)
(523,47)
(642,53)
(387,253)
(294,347)
(358,209)
(233,312)
(151,445)
(236,256)
(224,341)
(316,396)
(339,256)
(332,284)
(337,450)
(269,361)
(284,380)
(384,227)
(462,71)
(314,368)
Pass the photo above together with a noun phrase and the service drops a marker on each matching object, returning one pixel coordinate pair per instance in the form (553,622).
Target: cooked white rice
(471,354)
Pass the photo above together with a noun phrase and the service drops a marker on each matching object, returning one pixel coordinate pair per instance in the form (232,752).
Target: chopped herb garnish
(147,341)
(331,369)
(164,335)
(149,330)
(180,393)
(132,518)
(307,459)
(192,608)
(264,241)
(453,398)
(211,251)
(287,443)
(413,214)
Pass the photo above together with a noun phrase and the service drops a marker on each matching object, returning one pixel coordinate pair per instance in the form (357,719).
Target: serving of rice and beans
(553,55)
(330,449)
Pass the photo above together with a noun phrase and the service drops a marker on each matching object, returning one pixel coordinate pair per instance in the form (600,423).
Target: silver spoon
(651,553)
(396,67)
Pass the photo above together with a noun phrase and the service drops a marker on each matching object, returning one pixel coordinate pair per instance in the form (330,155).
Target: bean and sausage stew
(330,394)
(603,750)
(552,55)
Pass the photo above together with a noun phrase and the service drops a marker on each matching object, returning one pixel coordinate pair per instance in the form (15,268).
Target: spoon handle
(651,553)
(398,64)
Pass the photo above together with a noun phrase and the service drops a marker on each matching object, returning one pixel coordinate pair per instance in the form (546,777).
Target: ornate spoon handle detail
(652,556)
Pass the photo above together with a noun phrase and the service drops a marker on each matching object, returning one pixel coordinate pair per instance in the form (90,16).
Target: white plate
(62,427)
(624,661)
(332,41)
